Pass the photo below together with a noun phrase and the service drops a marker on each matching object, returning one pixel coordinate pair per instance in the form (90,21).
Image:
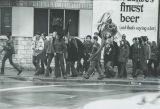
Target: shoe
(86,76)
(19,72)
(46,74)
(65,77)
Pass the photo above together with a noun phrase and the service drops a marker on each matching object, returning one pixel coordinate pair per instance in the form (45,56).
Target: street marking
(28,87)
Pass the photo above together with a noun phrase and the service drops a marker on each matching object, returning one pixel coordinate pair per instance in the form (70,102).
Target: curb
(106,81)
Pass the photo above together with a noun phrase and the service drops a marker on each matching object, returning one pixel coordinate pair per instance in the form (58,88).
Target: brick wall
(23,52)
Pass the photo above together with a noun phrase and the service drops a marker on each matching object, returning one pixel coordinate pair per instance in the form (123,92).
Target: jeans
(95,65)
(59,65)
(70,67)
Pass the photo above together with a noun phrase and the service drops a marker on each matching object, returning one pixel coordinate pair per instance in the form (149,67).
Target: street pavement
(17,94)
(37,92)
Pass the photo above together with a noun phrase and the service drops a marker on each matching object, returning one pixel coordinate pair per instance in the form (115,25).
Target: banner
(134,18)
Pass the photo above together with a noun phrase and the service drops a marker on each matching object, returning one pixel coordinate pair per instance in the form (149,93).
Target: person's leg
(3,63)
(68,67)
(74,71)
(61,60)
(150,69)
(34,61)
(42,63)
(37,65)
(144,68)
(90,70)
(155,68)
(14,65)
(57,66)
(48,69)
(125,70)
(134,68)
(99,70)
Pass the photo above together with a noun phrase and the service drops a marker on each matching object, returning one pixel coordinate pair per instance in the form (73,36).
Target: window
(56,20)
(5,20)
(41,20)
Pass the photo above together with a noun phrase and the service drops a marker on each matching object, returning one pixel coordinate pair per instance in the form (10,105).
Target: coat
(124,54)
(9,47)
(50,48)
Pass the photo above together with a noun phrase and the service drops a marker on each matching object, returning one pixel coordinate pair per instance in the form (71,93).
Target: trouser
(70,67)
(94,65)
(49,60)
(152,69)
(86,62)
(8,56)
(43,61)
(109,70)
(59,65)
(36,62)
(79,67)
(123,70)
(140,65)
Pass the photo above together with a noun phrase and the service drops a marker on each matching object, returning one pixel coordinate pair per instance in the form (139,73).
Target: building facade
(25,17)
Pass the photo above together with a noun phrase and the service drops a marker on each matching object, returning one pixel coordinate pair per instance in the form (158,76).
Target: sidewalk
(29,76)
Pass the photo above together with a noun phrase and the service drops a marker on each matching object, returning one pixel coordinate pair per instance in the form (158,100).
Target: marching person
(134,56)
(72,56)
(87,52)
(153,61)
(123,58)
(95,60)
(146,56)
(44,54)
(59,51)
(9,51)
(37,46)
(110,56)
(50,52)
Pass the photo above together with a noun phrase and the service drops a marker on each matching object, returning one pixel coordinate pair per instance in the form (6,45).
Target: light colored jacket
(37,46)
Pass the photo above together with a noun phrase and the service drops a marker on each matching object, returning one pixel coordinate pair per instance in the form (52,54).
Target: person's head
(144,39)
(37,35)
(96,34)
(43,35)
(123,37)
(8,34)
(135,40)
(95,39)
(54,34)
(154,45)
(88,38)
(139,40)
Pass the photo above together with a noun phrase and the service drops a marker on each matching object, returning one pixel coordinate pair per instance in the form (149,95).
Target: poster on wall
(134,18)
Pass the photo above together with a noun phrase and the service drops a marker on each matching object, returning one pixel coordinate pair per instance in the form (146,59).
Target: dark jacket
(59,46)
(72,50)
(137,52)
(9,47)
(154,53)
(147,51)
(95,48)
(87,47)
(124,53)
(110,52)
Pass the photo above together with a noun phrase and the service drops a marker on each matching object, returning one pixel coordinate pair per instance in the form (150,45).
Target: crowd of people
(74,57)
